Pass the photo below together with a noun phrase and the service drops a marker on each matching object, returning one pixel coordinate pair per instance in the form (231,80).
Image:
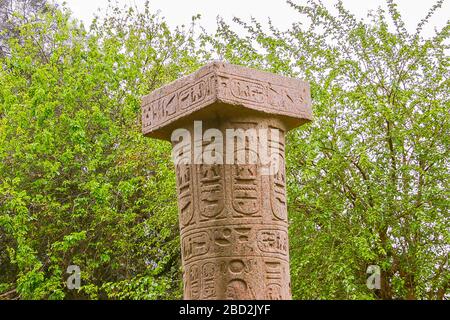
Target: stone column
(231,198)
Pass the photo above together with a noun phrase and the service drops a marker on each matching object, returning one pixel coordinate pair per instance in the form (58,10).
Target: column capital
(220,89)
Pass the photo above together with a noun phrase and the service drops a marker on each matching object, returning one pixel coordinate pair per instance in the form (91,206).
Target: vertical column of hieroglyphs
(275,240)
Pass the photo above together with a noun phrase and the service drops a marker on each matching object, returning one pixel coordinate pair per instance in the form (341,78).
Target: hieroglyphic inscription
(232,240)
(238,289)
(237,278)
(246,90)
(193,274)
(229,240)
(273,241)
(211,189)
(209,271)
(273,291)
(278,178)
(245,176)
(277,97)
(195,245)
(273,275)
(238,274)
(185,195)
(217,248)
(282,97)
(159,111)
(246,190)
(196,93)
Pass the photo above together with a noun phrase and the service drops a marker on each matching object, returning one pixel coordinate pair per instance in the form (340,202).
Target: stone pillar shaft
(233,220)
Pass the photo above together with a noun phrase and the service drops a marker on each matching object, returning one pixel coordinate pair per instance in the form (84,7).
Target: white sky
(179,12)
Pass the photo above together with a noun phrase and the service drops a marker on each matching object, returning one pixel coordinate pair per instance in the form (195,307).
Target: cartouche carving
(185,196)
(158,110)
(278,180)
(273,241)
(211,189)
(195,245)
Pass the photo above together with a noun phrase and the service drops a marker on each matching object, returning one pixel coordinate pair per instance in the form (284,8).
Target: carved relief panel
(225,241)
(184,176)
(278,178)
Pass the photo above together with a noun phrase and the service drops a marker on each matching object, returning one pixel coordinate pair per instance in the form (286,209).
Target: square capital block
(221,90)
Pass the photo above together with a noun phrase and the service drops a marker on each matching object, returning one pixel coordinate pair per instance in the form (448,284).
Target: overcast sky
(179,12)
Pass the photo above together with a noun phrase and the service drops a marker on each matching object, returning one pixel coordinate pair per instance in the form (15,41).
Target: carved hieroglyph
(233,217)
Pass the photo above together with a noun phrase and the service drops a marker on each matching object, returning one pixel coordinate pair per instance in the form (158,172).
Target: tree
(368,179)
(13,14)
(80,185)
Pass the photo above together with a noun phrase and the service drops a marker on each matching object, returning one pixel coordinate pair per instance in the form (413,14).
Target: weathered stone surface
(233,223)
(233,218)
(217,89)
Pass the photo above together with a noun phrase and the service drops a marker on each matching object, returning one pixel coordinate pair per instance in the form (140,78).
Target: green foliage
(79,184)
